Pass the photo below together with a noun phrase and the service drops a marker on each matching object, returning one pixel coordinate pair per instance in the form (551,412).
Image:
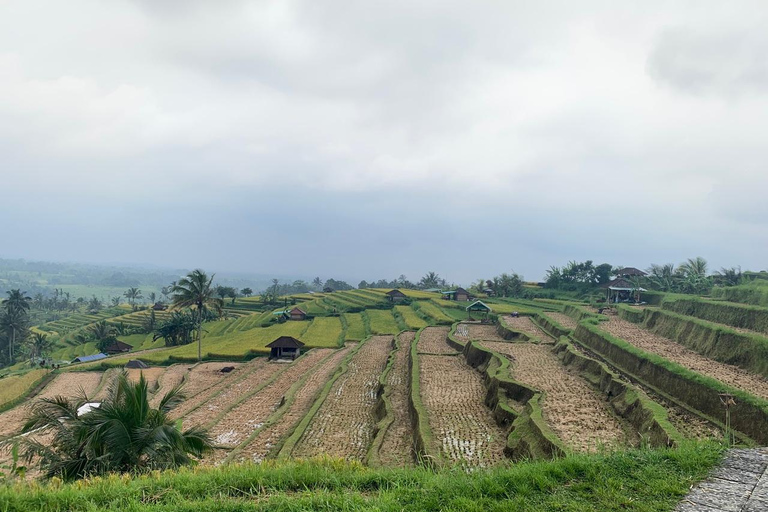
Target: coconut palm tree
(16,308)
(196,290)
(121,434)
(40,344)
(133,294)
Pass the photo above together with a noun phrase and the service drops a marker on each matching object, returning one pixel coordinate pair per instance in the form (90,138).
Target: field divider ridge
(383,410)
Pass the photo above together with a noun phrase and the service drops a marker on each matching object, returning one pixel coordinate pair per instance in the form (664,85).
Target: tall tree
(40,344)
(430,280)
(133,294)
(16,312)
(246,292)
(196,290)
(124,434)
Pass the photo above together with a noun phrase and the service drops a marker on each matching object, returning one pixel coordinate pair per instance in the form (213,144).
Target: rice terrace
(408,378)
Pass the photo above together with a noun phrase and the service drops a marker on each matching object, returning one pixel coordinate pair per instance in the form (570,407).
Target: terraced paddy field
(463,428)
(673,351)
(266,440)
(576,413)
(344,425)
(526,326)
(467,331)
(433,341)
(397,447)
(562,319)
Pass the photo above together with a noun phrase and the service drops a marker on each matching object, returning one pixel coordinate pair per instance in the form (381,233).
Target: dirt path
(562,319)
(243,419)
(261,446)
(645,340)
(433,341)
(344,424)
(453,394)
(525,325)
(467,331)
(397,448)
(68,385)
(233,391)
(577,414)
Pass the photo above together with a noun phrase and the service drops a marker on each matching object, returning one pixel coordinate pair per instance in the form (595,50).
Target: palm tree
(121,434)
(40,344)
(152,298)
(16,308)
(133,294)
(103,333)
(196,290)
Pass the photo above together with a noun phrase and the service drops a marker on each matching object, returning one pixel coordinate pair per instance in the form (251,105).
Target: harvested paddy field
(468,331)
(562,319)
(344,424)
(232,393)
(68,385)
(575,412)
(244,418)
(433,340)
(464,429)
(171,377)
(397,447)
(205,380)
(150,375)
(526,326)
(269,437)
(669,349)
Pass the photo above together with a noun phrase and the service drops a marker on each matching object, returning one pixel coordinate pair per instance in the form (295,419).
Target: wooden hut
(396,296)
(479,307)
(159,306)
(117,347)
(285,347)
(621,290)
(629,272)
(136,364)
(297,314)
(459,294)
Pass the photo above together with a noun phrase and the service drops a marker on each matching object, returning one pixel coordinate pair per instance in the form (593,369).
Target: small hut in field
(285,347)
(480,308)
(459,294)
(297,314)
(621,290)
(136,364)
(396,296)
(117,347)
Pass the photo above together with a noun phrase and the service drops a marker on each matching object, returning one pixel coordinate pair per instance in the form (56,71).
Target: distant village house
(459,294)
(297,314)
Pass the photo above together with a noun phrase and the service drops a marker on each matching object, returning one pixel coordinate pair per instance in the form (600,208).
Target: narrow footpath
(738,484)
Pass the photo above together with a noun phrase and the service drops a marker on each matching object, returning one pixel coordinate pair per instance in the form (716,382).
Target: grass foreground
(638,480)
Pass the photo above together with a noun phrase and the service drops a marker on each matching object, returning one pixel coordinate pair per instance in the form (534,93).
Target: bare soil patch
(562,319)
(150,375)
(577,413)
(434,340)
(525,325)
(464,429)
(68,385)
(397,447)
(266,440)
(171,377)
(669,349)
(250,415)
(206,379)
(344,425)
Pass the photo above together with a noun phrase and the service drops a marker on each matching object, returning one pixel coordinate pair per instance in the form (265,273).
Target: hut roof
(87,359)
(285,342)
(117,346)
(478,305)
(462,290)
(622,284)
(135,363)
(395,293)
(630,271)
(298,310)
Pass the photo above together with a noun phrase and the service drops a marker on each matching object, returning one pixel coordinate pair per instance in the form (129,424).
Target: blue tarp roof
(87,359)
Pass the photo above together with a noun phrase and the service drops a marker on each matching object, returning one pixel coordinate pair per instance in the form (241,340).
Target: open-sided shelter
(480,308)
(285,347)
(621,290)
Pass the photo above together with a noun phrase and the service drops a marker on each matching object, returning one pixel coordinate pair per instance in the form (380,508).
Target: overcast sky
(364,140)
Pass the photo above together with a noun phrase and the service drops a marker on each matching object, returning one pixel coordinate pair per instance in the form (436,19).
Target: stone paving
(739,484)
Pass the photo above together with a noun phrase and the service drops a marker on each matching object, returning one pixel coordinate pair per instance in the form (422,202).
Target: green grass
(434,312)
(355,327)
(323,332)
(412,320)
(636,480)
(14,387)
(382,321)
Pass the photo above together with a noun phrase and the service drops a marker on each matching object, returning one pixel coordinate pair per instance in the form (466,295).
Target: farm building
(621,290)
(396,296)
(159,306)
(479,307)
(135,363)
(117,347)
(88,359)
(459,294)
(327,289)
(297,314)
(629,272)
(285,347)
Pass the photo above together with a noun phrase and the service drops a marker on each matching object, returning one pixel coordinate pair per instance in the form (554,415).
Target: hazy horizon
(367,141)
